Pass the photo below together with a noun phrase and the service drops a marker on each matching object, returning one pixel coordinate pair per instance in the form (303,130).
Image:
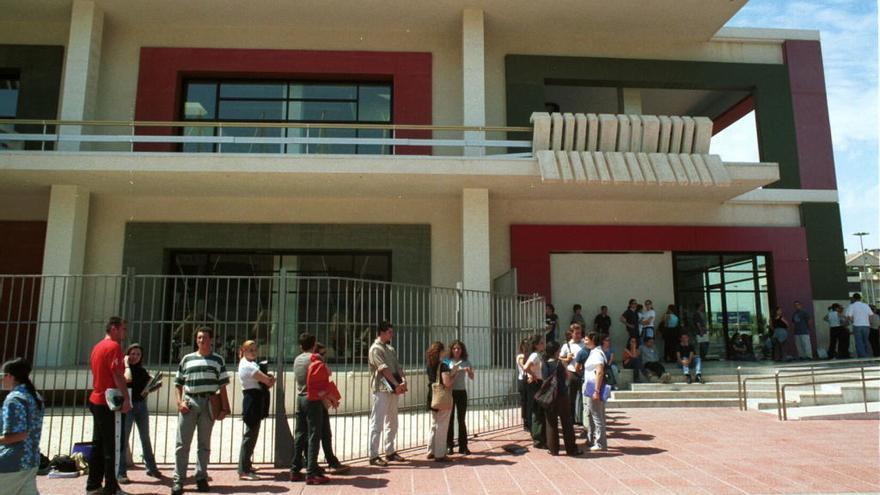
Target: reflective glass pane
(201,100)
(323,91)
(254,133)
(9,88)
(371,149)
(198,132)
(252,110)
(375,104)
(253,90)
(322,110)
(346,149)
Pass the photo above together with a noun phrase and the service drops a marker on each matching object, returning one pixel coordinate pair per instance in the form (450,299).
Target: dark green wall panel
(825,250)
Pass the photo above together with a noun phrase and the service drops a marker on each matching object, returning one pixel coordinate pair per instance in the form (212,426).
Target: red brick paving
(671,451)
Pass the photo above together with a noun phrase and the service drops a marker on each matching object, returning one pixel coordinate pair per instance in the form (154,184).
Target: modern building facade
(563,151)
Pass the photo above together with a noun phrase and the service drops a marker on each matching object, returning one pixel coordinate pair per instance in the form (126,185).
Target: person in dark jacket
(560,410)
(252,406)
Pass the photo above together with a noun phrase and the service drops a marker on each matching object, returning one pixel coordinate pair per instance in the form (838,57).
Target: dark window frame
(286,100)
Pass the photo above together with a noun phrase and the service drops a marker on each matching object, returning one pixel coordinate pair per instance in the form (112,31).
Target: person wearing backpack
(592,361)
(558,409)
(20,429)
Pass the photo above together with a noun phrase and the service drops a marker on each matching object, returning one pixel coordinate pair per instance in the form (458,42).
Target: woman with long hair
(438,372)
(252,406)
(534,369)
(458,361)
(22,425)
(521,383)
(138,378)
(780,334)
(632,358)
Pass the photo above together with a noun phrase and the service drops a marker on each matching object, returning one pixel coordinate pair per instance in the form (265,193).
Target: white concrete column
(81,64)
(632,101)
(475,239)
(473,64)
(61,294)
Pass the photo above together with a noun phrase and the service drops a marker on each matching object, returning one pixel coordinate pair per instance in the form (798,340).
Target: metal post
(813,379)
(739,385)
(864,390)
(459,289)
(778,398)
(784,407)
(43,142)
(745,395)
(283,435)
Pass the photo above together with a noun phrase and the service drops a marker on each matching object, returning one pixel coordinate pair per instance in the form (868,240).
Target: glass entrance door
(734,289)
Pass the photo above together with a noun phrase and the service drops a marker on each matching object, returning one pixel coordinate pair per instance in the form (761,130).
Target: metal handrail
(830,364)
(742,386)
(293,125)
(862,380)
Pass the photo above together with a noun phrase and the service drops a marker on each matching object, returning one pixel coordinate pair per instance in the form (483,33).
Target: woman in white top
(646,320)
(534,369)
(594,374)
(525,412)
(252,406)
(574,343)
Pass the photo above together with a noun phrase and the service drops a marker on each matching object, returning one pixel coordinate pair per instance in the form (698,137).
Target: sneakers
(598,448)
(338,469)
(430,455)
(177,490)
(123,480)
(317,480)
(689,379)
(464,451)
(296,476)
(202,485)
(700,378)
(248,477)
(395,457)
(378,461)
(155,473)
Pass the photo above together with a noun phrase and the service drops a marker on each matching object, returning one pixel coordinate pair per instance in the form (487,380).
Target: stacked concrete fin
(626,149)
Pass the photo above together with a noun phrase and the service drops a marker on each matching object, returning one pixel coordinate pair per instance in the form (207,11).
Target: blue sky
(849,52)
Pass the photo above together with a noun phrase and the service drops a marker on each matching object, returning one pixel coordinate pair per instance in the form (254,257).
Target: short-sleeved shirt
(685,351)
(200,375)
(602,323)
(459,382)
(301,371)
(106,361)
(649,354)
(801,321)
(247,374)
(520,372)
(432,377)
(20,413)
(874,321)
(571,349)
(672,322)
(595,358)
(536,365)
(698,320)
(833,319)
(632,318)
(860,314)
(140,378)
(579,319)
(382,356)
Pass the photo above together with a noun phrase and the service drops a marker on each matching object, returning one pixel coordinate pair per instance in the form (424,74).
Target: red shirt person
(107,372)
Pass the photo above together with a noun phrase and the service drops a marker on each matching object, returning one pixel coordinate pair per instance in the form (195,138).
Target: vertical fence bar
(283,436)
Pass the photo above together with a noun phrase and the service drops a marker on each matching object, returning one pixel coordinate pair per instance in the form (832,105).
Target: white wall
(612,279)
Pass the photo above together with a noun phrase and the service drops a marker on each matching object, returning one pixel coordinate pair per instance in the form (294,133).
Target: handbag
(546,395)
(441,398)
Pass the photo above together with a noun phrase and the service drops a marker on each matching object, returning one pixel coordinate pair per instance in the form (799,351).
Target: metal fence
(55,320)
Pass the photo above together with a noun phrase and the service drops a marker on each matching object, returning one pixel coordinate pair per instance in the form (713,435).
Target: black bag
(546,395)
(266,398)
(63,464)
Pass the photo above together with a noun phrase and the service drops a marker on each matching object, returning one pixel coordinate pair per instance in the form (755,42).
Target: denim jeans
(140,416)
(698,366)
(594,417)
(863,348)
(307,435)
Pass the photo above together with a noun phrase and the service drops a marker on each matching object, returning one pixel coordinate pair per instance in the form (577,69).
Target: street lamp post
(865,276)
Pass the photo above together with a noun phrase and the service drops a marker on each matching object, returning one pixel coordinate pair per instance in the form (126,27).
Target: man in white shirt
(858,314)
(574,382)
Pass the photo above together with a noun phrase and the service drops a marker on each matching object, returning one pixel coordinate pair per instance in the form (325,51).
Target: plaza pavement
(670,451)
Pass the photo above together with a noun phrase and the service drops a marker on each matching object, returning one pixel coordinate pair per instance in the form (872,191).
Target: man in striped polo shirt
(200,376)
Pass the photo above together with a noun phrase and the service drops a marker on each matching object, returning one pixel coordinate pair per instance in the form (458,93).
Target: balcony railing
(260,137)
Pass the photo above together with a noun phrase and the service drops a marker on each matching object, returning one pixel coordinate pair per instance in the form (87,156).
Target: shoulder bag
(546,395)
(441,398)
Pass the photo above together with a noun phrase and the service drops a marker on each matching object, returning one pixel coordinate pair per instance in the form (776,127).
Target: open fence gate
(55,320)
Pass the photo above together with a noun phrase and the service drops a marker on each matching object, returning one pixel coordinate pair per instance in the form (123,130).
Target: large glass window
(287,101)
(734,288)
(9,90)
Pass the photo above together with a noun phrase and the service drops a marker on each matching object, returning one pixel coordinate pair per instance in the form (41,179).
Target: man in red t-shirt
(107,372)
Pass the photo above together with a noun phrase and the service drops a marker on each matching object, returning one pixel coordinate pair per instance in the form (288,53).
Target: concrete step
(695,392)
(709,385)
(642,403)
